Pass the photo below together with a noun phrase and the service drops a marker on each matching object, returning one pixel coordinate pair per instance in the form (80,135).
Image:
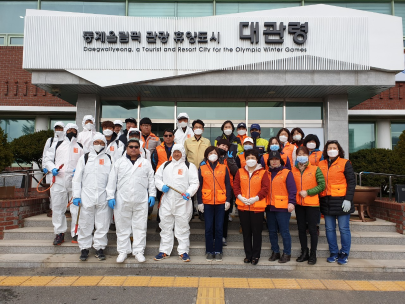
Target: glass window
(195,9)
(15,128)
(375,7)
(157,109)
(101,7)
(152,9)
(63,6)
(119,110)
(303,111)
(400,12)
(267,133)
(159,128)
(212,133)
(396,131)
(226,8)
(242,7)
(265,110)
(2,40)
(16,40)
(64,120)
(361,136)
(12,15)
(213,110)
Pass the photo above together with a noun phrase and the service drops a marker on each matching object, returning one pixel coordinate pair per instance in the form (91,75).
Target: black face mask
(221,151)
(71,135)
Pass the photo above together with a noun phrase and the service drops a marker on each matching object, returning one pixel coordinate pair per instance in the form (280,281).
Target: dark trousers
(252,226)
(214,216)
(158,197)
(308,215)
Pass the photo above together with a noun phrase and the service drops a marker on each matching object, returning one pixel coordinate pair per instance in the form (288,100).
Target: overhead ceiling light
(272,92)
(22,17)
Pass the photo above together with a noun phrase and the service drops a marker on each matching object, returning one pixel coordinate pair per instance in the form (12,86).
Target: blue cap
(255,126)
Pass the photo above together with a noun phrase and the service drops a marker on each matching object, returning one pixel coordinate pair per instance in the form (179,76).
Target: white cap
(58,124)
(248,139)
(118,122)
(98,136)
(183,115)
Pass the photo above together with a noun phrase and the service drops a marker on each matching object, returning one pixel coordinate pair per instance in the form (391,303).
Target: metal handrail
(25,173)
(390,176)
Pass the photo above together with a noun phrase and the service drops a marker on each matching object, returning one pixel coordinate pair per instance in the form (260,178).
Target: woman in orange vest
(310,182)
(336,200)
(282,200)
(287,147)
(275,145)
(214,196)
(297,137)
(311,141)
(251,187)
(247,145)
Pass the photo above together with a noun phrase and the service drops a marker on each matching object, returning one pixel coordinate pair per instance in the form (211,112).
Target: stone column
(383,134)
(88,104)
(41,123)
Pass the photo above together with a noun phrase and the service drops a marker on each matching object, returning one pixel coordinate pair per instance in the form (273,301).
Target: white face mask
(198,131)
(251,163)
(297,137)
(98,148)
(213,157)
(228,132)
(107,132)
(59,134)
(333,153)
(283,138)
(89,126)
(241,132)
(182,124)
(311,145)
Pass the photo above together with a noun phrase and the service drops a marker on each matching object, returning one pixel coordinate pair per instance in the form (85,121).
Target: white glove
(243,200)
(227,206)
(346,206)
(201,208)
(253,200)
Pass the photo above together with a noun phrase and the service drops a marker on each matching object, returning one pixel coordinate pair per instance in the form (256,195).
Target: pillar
(88,104)
(41,123)
(336,120)
(383,134)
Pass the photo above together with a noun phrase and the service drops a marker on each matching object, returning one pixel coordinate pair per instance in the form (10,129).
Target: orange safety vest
(278,194)
(230,175)
(315,158)
(289,149)
(242,138)
(242,160)
(161,154)
(213,188)
(150,137)
(266,157)
(336,184)
(250,187)
(306,181)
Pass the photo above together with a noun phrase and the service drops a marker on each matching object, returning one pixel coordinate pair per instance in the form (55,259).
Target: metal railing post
(360,177)
(27,176)
(390,185)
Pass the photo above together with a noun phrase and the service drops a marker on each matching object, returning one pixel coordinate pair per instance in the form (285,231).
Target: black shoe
(312,258)
(304,255)
(59,239)
(209,257)
(74,240)
(158,230)
(285,258)
(100,255)
(84,255)
(274,256)
(218,257)
(247,260)
(255,261)
(201,216)
(112,227)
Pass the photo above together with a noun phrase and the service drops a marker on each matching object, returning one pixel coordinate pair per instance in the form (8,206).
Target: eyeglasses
(133,147)
(170,135)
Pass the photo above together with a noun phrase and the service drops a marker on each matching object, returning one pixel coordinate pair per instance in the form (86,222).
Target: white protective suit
(85,137)
(89,184)
(145,153)
(129,184)
(68,154)
(180,136)
(174,210)
(114,149)
(48,144)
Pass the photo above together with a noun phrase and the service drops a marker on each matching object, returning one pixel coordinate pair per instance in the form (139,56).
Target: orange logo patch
(101,162)
(112,148)
(140,165)
(75,150)
(188,135)
(180,172)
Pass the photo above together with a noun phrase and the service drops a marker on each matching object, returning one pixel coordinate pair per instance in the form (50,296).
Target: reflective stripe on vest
(213,189)
(336,184)
(250,187)
(162,156)
(288,150)
(278,194)
(315,158)
(306,181)
(266,157)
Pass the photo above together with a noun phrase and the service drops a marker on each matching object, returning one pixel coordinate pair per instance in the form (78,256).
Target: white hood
(177,147)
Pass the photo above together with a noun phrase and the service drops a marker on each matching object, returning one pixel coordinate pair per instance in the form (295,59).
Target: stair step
(234,249)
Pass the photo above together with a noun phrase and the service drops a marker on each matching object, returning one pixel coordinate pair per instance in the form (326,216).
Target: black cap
(274,154)
(145,121)
(241,125)
(134,132)
(131,119)
(223,141)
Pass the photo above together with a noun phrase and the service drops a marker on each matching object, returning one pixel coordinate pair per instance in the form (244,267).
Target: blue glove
(55,172)
(77,201)
(202,163)
(165,189)
(73,172)
(151,201)
(45,170)
(186,196)
(230,154)
(111,203)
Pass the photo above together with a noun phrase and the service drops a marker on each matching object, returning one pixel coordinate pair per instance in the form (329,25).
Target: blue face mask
(274,147)
(255,134)
(248,147)
(302,159)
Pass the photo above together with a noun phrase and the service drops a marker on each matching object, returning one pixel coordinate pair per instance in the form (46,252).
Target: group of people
(118,175)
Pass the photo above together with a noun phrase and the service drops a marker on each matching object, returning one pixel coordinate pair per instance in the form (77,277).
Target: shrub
(6,158)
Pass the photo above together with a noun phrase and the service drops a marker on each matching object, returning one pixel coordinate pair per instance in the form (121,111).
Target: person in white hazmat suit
(183,129)
(89,183)
(176,209)
(89,129)
(130,191)
(135,133)
(66,152)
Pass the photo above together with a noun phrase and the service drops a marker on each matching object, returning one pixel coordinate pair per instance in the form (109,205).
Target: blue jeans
(214,214)
(345,235)
(279,220)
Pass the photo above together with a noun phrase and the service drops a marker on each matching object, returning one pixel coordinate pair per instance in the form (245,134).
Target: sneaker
(100,255)
(59,239)
(140,257)
(209,257)
(343,258)
(74,239)
(161,256)
(230,218)
(333,258)
(122,257)
(218,257)
(84,255)
(224,242)
(184,257)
